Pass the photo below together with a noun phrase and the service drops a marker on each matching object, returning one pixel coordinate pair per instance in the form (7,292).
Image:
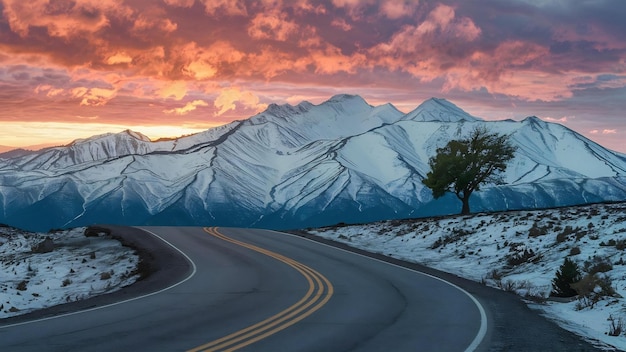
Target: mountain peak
(345,97)
(137,135)
(438,109)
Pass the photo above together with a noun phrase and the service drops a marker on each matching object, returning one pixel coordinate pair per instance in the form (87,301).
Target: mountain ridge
(343,160)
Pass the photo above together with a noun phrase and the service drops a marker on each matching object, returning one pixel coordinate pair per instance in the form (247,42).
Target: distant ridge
(295,166)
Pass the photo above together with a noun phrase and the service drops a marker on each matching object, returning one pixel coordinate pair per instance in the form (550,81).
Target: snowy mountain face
(297,166)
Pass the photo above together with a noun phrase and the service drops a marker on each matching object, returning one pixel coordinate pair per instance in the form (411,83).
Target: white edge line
(193,272)
(483,315)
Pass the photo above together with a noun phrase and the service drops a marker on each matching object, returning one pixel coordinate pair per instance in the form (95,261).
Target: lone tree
(567,275)
(463,165)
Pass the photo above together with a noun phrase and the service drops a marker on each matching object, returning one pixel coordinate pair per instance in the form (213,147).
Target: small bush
(574,251)
(616,326)
(22,285)
(66,282)
(593,287)
(597,264)
(536,231)
(610,243)
(527,256)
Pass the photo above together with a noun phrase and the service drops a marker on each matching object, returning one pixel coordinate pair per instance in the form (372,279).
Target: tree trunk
(466,208)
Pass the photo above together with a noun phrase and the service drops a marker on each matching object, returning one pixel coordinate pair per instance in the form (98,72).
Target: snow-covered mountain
(297,166)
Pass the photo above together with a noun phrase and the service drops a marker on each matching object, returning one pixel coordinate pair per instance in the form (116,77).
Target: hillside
(40,270)
(297,166)
(520,251)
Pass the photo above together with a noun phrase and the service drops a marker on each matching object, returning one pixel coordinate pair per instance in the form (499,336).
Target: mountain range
(297,166)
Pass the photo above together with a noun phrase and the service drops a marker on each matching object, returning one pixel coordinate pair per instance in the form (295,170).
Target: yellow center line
(312,301)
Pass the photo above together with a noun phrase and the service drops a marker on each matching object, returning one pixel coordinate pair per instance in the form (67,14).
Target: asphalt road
(263,291)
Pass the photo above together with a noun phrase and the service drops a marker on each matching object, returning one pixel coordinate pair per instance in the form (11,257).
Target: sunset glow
(165,68)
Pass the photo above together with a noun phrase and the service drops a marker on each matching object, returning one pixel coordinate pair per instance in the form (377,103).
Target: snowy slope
(296,166)
(76,268)
(519,252)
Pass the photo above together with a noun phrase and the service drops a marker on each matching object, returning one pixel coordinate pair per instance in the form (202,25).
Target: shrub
(593,287)
(22,285)
(597,264)
(574,251)
(105,275)
(616,326)
(567,274)
(536,231)
(527,256)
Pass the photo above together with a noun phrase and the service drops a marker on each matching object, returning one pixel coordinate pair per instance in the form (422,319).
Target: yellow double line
(319,292)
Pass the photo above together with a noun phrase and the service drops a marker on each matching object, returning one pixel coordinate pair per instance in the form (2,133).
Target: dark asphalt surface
(375,306)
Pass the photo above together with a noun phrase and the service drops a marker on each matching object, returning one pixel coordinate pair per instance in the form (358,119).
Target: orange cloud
(176,90)
(228,97)
(62,19)
(204,63)
(119,58)
(93,96)
(191,106)
(332,60)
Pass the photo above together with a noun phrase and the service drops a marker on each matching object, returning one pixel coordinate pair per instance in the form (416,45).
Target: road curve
(259,290)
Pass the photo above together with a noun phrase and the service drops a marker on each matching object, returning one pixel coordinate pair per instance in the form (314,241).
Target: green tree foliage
(567,275)
(463,165)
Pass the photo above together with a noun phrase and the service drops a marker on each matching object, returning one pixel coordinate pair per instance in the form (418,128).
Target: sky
(73,69)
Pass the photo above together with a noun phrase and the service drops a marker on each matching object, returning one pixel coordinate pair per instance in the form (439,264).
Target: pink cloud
(273,25)
(559,120)
(341,23)
(395,9)
(228,7)
(180,3)
(606,131)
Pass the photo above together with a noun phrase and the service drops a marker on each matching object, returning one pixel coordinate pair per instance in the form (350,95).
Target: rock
(45,246)
(95,231)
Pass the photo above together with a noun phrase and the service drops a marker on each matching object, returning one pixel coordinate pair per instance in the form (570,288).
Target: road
(259,290)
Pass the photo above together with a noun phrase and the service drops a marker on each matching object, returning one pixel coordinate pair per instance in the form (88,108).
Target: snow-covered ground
(77,267)
(519,251)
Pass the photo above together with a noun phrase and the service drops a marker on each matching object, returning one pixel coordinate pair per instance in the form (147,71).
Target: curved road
(259,290)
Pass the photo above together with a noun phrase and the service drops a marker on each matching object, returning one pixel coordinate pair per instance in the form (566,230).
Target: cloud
(119,58)
(395,9)
(180,3)
(273,25)
(229,97)
(204,63)
(341,23)
(62,19)
(604,131)
(190,106)
(560,120)
(227,7)
(93,96)
(176,90)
